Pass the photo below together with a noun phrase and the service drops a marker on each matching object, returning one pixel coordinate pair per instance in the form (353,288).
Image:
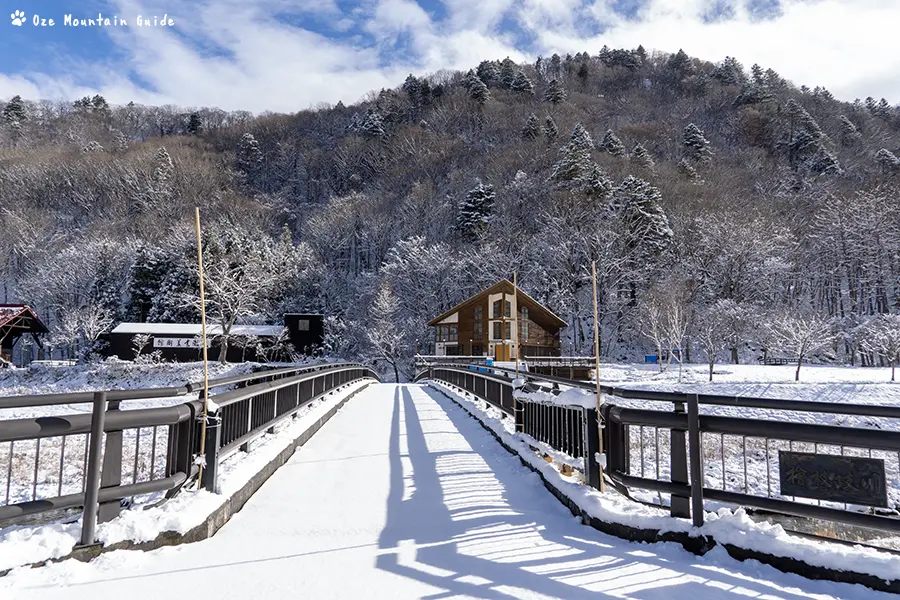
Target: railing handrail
(866,410)
(37,400)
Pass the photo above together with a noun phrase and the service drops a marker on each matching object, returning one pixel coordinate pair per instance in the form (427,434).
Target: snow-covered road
(403,495)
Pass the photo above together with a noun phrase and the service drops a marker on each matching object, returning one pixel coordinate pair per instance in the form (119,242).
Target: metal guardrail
(691,456)
(569,429)
(156,448)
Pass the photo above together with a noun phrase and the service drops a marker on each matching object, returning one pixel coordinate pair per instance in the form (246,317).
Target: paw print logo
(18,18)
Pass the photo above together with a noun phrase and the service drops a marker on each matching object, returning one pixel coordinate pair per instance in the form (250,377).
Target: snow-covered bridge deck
(403,495)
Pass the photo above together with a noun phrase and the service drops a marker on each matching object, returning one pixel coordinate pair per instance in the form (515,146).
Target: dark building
(307,332)
(181,342)
(17,320)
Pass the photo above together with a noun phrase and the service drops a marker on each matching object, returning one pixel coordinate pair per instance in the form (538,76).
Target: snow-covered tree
(475,211)
(532,127)
(522,84)
(478,91)
(249,158)
(850,135)
(373,125)
(801,334)
(550,129)
(882,338)
(194,125)
(710,332)
(555,92)
(612,144)
(488,72)
(696,146)
(887,160)
(575,157)
(642,156)
(386,334)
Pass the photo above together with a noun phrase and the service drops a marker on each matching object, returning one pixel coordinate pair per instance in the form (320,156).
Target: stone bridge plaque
(849,479)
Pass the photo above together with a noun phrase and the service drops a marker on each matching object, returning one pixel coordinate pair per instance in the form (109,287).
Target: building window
(496,335)
(303,325)
(523,323)
(496,311)
(478,322)
(452,334)
(508,330)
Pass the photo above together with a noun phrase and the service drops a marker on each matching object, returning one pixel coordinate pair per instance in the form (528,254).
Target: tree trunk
(799,362)
(711,363)
(223,350)
(893,366)
(734,355)
(396,372)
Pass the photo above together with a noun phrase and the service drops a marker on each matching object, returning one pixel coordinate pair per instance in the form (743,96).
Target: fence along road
(67,465)
(403,495)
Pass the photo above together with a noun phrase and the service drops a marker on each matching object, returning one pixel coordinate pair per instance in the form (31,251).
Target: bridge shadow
(470,521)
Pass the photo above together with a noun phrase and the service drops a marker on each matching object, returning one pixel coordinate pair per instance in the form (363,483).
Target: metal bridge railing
(56,464)
(673,444)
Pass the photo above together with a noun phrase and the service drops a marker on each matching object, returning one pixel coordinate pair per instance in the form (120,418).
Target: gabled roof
(502,285)
(20,316)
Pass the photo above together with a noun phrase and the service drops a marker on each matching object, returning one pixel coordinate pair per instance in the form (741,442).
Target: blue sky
(286,55)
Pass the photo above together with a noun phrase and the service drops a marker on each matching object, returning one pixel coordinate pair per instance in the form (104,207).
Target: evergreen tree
(758,75)
(555,69)
(583,73)
(14,111)
(413,89)
(249,158)
(639,208)
(850,135)
(507,72)
(641,156)
(612,144)
(752,93)
(144,282)
(575,157)
(475,211)
(729,72)
(696,146)
(806,141)
(476,88)
(488,73)
(522,84)
(680,63)
(195,125)
(550,129)
(532,127)
(688,170)
(373,125)
(555,92)
(888,161)
(161,188)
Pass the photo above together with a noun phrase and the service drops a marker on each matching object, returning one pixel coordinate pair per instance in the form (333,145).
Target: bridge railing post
(211,456)
(92,481)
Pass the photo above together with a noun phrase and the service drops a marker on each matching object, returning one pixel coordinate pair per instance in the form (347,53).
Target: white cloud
(236,54)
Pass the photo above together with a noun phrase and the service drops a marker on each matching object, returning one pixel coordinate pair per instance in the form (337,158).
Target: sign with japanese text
(176,342)
(849,479)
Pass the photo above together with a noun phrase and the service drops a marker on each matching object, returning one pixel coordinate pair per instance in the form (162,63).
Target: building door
(477,349)
(501,353)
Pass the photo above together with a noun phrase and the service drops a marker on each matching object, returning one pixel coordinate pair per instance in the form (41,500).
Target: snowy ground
(402,495)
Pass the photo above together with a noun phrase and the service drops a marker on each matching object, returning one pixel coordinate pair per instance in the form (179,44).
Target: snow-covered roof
(20,316)
(195,329)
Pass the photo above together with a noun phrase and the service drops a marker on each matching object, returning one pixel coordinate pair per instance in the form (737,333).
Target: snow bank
(26,545)
(726,526)
(575,397)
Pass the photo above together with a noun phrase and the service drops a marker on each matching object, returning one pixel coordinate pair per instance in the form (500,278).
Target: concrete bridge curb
(215,520)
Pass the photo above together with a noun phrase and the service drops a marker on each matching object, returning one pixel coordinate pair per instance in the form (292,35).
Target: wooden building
(484,325)
(17,320)
(180,342)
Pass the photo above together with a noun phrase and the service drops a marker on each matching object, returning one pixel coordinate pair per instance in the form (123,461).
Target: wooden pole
(203,335)
(516,320)
(597,367)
